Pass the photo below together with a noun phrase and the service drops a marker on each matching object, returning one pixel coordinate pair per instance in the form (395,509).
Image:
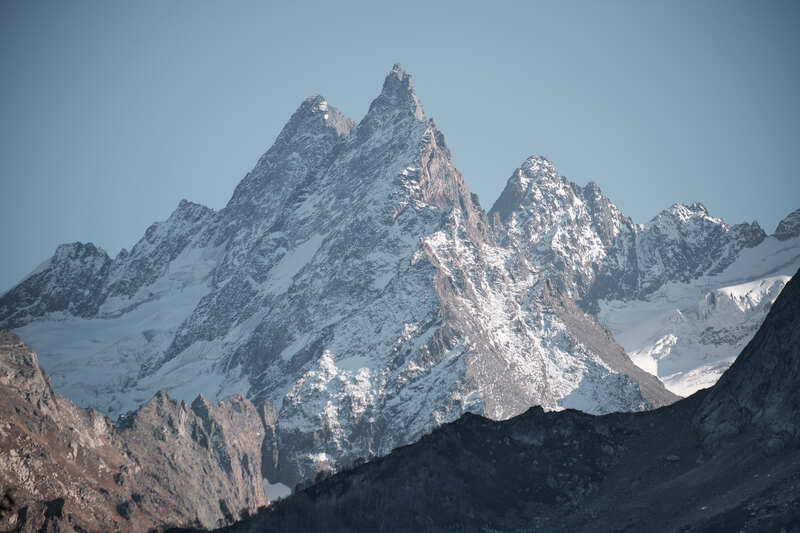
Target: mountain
(581,238)
(561,228)
(64,468)
(789,227)
(726,459)
(687,332)
(353,281)
(682,293)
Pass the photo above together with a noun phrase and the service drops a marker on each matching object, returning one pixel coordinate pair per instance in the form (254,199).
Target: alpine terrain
(354,283)
(724,459)
(682,294)
(64,468)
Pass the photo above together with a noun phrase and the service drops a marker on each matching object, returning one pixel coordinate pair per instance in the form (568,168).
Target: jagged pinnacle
(316,110)
(398,93)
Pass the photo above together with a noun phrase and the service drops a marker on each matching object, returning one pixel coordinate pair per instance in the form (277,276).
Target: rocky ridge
(789,227)
(584,241)
(71,469)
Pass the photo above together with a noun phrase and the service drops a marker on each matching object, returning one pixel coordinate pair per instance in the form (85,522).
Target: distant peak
(201,406)
(537,168)
(698,207)
(593,192)
(684,211)
(788,227)
(316,103)
(192,211)
(398,94)
(534,170)
(398,83)
(188,204)
(313,105)
(78,250)
(538,161)
(315,112)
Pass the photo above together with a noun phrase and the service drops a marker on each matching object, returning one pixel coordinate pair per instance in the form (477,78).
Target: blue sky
(114,111)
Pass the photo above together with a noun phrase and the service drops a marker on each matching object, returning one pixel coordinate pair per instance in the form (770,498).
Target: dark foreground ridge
(724,459)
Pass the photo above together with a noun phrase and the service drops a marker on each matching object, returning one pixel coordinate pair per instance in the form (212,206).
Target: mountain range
(356,289)
(724,459)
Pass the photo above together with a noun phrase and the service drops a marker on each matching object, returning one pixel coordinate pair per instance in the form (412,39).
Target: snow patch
(275,491)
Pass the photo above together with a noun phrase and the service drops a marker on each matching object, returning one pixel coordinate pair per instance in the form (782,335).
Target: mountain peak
(316,103)
(190,211)
(316,114)
(685,212)
(697,206)
(539,167)
(398,94)
(77,250)
(397,69)
(535,169)
(789,227)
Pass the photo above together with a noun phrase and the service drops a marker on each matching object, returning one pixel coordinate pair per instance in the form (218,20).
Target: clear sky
(111,112)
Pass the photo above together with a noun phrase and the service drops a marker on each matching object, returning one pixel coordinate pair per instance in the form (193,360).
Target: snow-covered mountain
(355,283)
(564,230)
(579,237)
(682,293)
(726,459)
(351,281)
(688,333)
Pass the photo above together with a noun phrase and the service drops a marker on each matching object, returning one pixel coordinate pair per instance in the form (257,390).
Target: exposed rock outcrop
(72,469)
(789,227)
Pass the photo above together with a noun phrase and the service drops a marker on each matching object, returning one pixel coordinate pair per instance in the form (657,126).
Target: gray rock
(788,227)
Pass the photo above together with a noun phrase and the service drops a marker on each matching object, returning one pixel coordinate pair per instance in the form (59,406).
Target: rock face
(663,470)
(789,227)
(70,282)
(71,469)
